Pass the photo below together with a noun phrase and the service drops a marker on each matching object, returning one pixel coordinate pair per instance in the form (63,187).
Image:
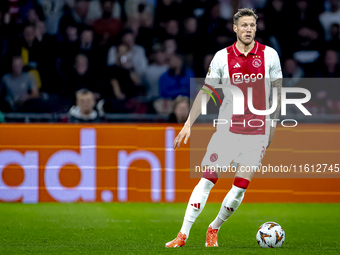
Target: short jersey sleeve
(275,71)
(214,74)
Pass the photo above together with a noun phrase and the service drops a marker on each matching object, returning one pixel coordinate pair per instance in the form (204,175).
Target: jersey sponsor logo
(213,157)
(257,62)
(237,65)
(240,77)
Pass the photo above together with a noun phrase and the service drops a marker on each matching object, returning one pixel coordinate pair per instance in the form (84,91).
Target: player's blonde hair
(244,12)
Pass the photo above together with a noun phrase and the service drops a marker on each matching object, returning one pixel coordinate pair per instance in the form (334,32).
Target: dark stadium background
(130,54)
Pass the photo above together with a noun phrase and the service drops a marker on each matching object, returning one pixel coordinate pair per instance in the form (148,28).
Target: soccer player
(244,64)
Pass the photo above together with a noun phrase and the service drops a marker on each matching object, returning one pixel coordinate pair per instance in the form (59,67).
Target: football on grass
(270,235)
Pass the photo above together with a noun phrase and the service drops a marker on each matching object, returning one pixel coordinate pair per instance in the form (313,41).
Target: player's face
(246,29)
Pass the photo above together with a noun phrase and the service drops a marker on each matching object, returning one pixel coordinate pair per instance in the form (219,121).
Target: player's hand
(185,133)
(271,135)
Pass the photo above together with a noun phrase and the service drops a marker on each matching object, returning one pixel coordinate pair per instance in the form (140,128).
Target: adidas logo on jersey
(237,65)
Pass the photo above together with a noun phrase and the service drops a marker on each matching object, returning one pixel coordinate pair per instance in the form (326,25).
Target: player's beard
(246,44)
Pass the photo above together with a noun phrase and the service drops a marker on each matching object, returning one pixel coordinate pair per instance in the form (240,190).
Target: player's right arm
(213,78)
(193,115)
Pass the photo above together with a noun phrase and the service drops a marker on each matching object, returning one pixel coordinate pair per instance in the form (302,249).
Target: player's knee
(240,186)
(204,185)
(210,175)
(241,183)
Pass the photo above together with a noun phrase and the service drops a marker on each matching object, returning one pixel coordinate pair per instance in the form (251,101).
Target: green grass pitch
(144,228)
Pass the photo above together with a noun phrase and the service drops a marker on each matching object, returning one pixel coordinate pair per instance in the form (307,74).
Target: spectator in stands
(83,111)
(146,33)
(188,40)
(121,86)
(211,24)
(77,15)
(175,81)
(171,30)
(277,10)
(135,52)
(90,49)
(328,18)
(28,47)
(334,43)
(68,49)
(30,11)
(53,11)
(327,94)
(40,30)
(154,71)
(13,9)
(47,66)
(292,72)
(307,34)
(18,88)
(32,16)
(96,11)
(164,11)
(181,110)
(82,77)
(171,47)
(134,9)
(86,39)
(330,67)
(107,27)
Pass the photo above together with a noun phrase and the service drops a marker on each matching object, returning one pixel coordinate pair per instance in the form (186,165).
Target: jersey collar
(253,51)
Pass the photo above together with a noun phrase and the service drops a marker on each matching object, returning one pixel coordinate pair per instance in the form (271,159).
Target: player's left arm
(276,82)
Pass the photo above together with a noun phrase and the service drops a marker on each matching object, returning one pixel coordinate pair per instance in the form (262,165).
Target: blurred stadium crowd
(90,58)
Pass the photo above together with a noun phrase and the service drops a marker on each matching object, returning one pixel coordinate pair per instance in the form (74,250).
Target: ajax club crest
(257,62)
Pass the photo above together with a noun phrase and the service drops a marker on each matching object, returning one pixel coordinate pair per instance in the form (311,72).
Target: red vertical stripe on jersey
(244,72)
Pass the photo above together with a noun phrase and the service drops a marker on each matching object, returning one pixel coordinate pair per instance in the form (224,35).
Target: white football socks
(216,224)
(196,204)
(229,205)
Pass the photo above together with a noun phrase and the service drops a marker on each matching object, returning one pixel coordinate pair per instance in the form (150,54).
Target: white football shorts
(225,147)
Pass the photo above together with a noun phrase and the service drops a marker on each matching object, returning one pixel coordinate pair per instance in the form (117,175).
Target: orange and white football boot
(211,240)
(179,241)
